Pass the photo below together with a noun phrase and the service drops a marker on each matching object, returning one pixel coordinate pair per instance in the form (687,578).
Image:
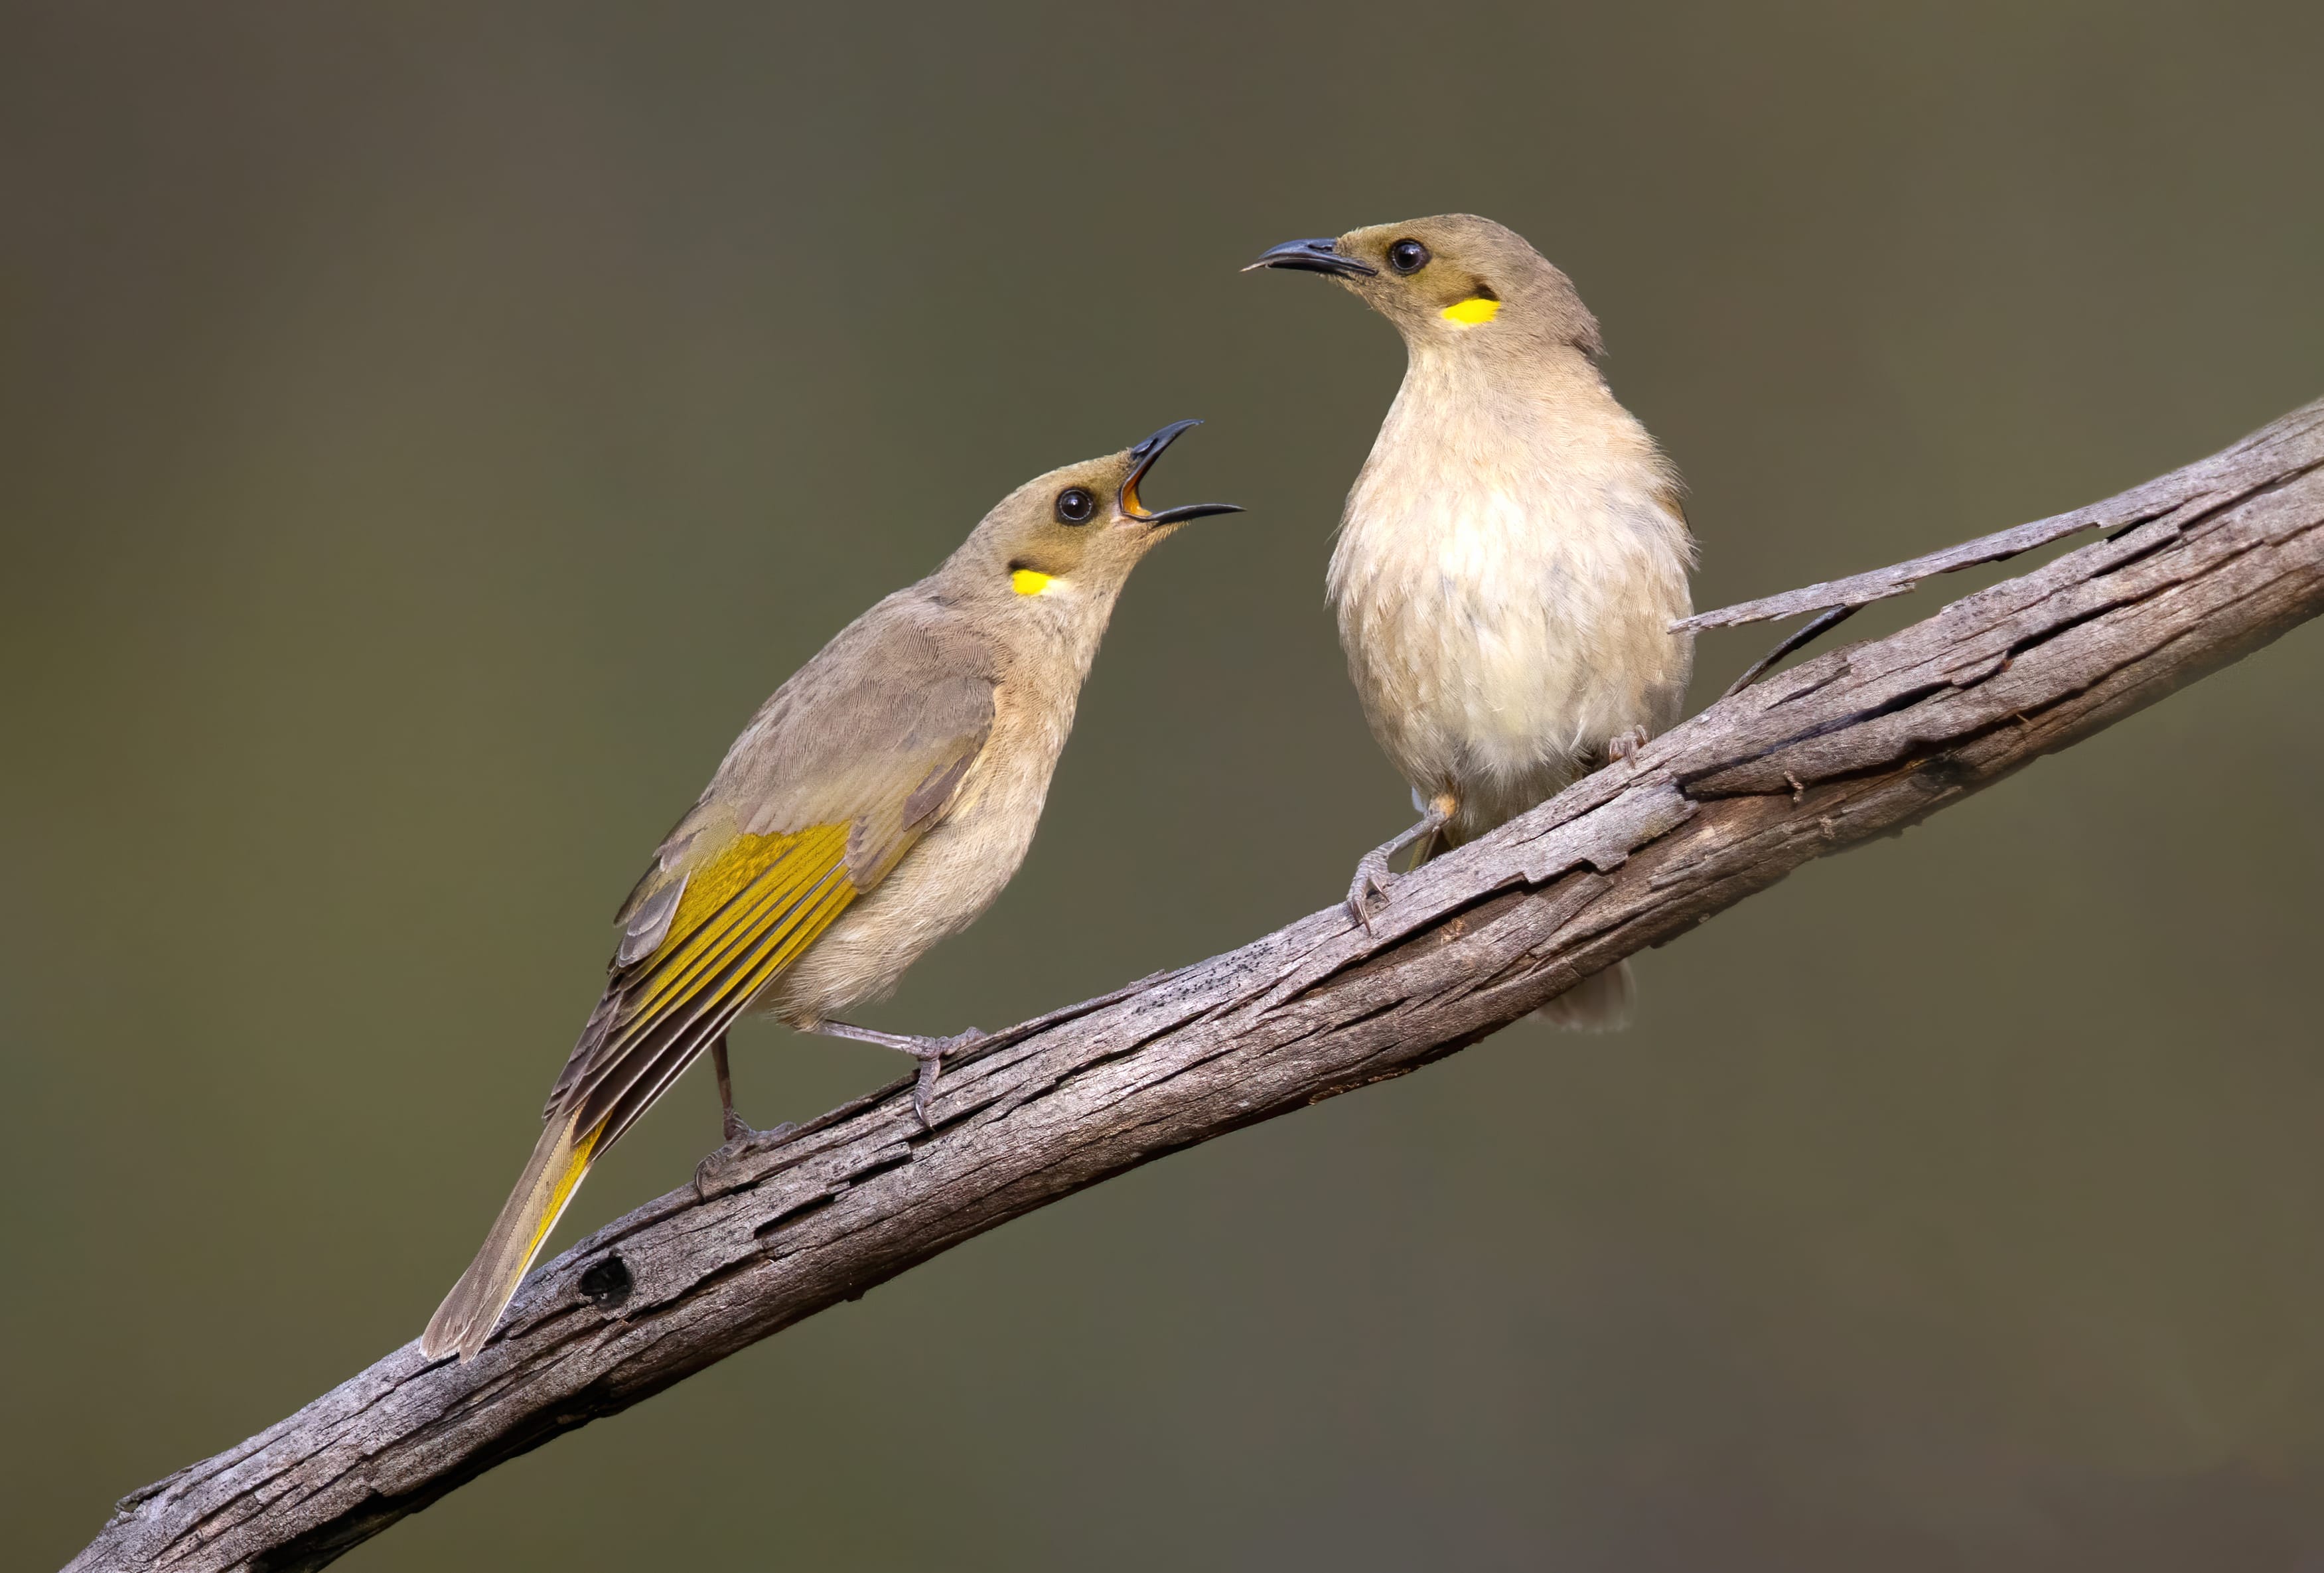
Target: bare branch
(2199,488)
(2198,569)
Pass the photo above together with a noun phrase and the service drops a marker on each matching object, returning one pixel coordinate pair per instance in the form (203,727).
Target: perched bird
(1513,552)
(876,804)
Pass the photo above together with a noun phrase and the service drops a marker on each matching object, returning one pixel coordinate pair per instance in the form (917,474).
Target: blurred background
(427,433)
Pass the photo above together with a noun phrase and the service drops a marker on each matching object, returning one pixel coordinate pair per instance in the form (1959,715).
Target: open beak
(1315,256)
(1142,459)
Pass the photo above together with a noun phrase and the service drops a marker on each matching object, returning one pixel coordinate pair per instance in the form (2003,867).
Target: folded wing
(856,758)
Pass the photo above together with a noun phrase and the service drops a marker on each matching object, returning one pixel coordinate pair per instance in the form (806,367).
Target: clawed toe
(739,1139)
(925,1088)
(932,1058)
(740,1136)
(1371,882)
(1622,746)
(929,1051)
(1372,877)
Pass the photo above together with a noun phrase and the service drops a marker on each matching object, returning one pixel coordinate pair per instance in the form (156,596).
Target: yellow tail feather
(746,915)
(470,1312)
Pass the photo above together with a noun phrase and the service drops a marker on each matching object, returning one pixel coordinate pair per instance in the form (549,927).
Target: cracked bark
(2194,570)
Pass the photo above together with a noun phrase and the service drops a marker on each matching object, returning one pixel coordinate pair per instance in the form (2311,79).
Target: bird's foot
(1373,880)
(737,1133)
(739,1139)
(931,1055)
(1372,877)
(1623,745)
(929,1051)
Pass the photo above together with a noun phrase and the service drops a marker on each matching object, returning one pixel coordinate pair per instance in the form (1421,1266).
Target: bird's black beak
(1141,459)
(1315,256)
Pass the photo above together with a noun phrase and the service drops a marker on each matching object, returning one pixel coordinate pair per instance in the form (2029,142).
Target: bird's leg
(736,1131)
(1623,745)
(1372,876)
(928,1052)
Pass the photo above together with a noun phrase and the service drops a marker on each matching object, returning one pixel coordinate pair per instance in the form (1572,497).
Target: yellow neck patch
(1030,581)
(1470,312)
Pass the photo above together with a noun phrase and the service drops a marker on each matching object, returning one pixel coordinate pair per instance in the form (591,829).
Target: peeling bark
(2196,570)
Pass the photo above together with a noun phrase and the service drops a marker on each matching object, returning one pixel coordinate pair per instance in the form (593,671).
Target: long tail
(470,1312)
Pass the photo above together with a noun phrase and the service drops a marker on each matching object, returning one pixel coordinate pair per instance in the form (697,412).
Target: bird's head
(1453,281)
(1067,539)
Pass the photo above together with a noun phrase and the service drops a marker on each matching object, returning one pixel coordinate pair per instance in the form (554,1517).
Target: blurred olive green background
(427,433)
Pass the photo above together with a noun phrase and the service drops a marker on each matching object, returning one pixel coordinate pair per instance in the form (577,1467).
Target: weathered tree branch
(2197,569)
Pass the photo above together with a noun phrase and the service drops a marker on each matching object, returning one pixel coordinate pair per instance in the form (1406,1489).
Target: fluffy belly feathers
(1498,642)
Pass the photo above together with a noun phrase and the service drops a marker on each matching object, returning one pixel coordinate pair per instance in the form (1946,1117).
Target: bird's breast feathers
(952,874)
(1497,618)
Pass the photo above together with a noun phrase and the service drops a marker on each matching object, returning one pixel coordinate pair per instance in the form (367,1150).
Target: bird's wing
(855,760)
(829,788)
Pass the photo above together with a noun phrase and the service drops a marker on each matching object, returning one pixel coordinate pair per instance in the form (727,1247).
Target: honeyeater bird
(876,804)
(1512,553)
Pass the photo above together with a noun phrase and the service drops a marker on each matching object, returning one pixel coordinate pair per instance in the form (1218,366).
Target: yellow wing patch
(712,884)
(748,911)
(741,895)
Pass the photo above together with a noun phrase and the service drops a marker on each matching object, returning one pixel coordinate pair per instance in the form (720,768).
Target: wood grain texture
(2208,483)
(2198,569)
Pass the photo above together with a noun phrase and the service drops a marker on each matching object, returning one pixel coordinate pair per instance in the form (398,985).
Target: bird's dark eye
(1408,256)
(1075,506)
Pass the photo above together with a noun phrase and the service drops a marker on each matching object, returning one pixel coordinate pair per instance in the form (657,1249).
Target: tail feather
(1601,1002)
(470,1312)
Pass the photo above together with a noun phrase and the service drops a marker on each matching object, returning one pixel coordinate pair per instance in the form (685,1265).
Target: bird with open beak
(879,803)
(1512,554)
